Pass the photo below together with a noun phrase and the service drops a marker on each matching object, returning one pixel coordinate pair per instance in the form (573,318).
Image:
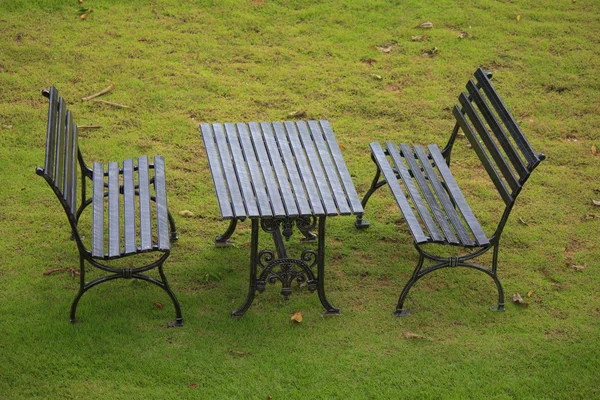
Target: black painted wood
(241,171)
(51,132)
(506,117)
(215,168)
(98,210)
(305,171)
(345,177)
(457,196)
(483,156)
(398,193)
(267,170)
(292,170)
(129,220)
(162,219)
(145,211)
(256,177)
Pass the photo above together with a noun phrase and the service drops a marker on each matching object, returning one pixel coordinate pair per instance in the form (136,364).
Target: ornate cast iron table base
(267,266)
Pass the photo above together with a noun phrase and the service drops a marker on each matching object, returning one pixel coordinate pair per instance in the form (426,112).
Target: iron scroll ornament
(286,270)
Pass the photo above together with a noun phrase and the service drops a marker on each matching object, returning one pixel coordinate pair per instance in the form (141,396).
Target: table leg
(223,240)
(253,260)
(329,308)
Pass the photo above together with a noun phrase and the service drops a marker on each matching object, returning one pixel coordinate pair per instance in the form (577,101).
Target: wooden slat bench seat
(428,196)
(128,204)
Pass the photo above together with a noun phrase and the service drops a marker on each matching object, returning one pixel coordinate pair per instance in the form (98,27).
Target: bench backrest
(496,137)
(62,153)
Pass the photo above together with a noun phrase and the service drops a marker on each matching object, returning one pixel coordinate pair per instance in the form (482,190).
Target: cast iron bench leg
(223,240)
(253,260)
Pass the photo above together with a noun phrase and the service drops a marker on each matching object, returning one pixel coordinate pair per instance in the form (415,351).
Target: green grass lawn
(179,63)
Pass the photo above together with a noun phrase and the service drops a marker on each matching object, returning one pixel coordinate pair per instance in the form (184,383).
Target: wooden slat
(280,172)
(162,219)
(405,175)
(217,173)
(114,231)
(317,169)
(499,132)
(68,161)
(51,133)
(430,198)
(330,169)
(59,164)
(98,210)
(506,117)
(129,225)
(73,148)
(267,171)
(442,196)
(262,198)
(144,190)
(413,223)
(345,177)
(241,171)
(305,171)
(491,146)
(476,145)
(457,195)
(235,193)
(292,170)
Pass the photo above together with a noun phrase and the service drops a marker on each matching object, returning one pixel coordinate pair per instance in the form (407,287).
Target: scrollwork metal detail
(286,271)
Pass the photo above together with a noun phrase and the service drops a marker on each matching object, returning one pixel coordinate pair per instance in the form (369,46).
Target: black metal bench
(141,228)
(429,198)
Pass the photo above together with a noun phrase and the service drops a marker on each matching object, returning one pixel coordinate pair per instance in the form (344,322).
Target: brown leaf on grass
(375,76)
(521,220)
(297,317)
(83,16)
(370,61)
(431,52)
(591,216)
(297,114)
(425,25)
(594,150)
(238,353)
(518,18)
(529,293)
(516,298)
(342,147)
(186,213)
(53,270)
(193,385)
(410,335)
(385,48)
(578,267)
(158,305)
(419,38)
(596,202)
(558,285)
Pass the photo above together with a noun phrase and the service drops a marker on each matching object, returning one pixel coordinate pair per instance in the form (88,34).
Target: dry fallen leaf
(431,52)
(463,35)
(419,38)
(83,16)
(578,267)
(410,335)
(596,202)
(297,114)
(594,150)
(521,220)
(516,298)
(193,385)
(425,25)
(375,76)
(529,293)
(386,48)
(158,305)
(518,18)
(186,213)
(297,317)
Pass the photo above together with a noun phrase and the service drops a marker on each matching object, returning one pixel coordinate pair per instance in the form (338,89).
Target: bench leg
(376,184)
(329,308)
(174,235)
(452,262)
(253,260)
(223,240)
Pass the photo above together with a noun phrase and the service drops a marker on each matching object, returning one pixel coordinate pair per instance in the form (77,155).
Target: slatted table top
(278,169)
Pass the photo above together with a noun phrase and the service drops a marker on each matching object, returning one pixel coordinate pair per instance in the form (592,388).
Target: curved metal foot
(361,223)
(499,308)
(178,322)
(402,313)
(223,240)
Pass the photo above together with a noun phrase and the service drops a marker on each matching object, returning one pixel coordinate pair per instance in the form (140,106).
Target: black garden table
(280,174)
